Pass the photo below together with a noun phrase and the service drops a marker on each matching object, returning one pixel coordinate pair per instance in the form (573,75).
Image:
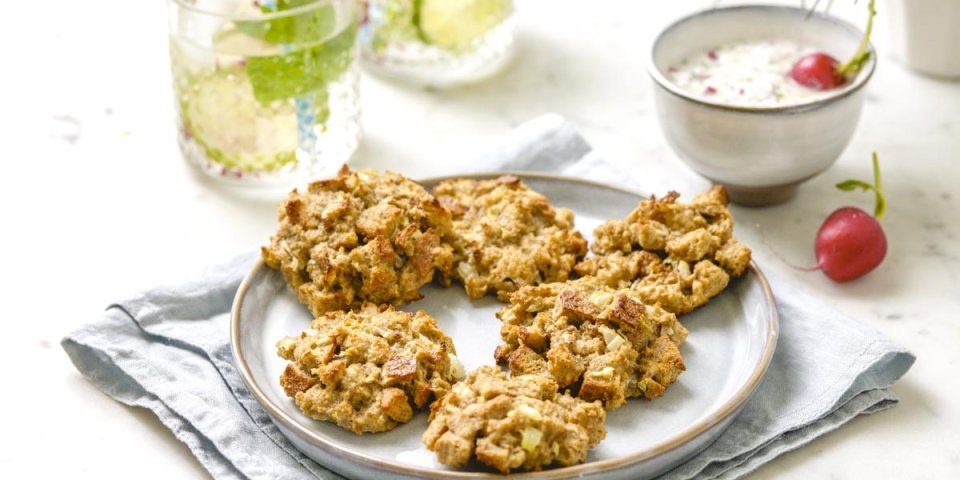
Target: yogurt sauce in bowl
(777,134)
(746,74)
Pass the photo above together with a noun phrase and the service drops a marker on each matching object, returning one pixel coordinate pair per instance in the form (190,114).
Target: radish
(850,242)
(820,71)
(817,71)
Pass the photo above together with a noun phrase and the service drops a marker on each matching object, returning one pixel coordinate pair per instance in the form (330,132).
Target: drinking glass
(266,91)
(436,42)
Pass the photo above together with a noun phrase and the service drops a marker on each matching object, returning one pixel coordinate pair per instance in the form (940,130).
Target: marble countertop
(99,203)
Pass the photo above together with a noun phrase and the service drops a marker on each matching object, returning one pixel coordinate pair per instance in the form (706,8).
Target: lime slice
(221,114)
(237,42)
(456,24)
(391,21)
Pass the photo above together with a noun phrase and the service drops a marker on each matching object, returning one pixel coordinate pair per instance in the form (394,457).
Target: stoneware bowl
(761,154)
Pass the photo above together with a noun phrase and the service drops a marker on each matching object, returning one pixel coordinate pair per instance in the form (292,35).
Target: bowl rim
(729,409)
(862,78)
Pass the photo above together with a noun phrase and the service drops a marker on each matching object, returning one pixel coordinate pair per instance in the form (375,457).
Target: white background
(97,203)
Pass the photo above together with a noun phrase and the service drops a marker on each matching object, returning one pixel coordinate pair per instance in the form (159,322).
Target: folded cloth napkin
(167,349)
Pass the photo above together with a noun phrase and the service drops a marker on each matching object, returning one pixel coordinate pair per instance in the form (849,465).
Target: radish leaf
(877,187)
(851,185)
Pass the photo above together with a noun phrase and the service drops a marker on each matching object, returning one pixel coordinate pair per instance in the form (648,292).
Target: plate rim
(717,417)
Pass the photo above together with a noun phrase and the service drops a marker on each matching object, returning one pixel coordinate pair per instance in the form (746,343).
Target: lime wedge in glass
(456,24)
(391,21)
(221,114)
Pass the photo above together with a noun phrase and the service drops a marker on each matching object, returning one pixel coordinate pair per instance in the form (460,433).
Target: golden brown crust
(508,236)
(368,370)
(660,363)
(676,254)
(362,236)
(521,422)
(603,343)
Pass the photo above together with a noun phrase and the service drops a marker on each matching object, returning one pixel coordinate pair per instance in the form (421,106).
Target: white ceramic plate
(730,344)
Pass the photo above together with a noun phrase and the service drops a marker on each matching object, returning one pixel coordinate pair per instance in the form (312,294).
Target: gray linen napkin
(167,349)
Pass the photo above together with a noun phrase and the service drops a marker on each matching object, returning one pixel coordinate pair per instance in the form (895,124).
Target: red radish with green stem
(851,242)
(820,71)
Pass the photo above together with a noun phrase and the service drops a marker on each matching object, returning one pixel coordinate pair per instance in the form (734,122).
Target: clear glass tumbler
(436,42)
(266,91)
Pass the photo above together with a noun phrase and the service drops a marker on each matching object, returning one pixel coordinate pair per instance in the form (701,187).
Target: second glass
(436,42)
(266,91)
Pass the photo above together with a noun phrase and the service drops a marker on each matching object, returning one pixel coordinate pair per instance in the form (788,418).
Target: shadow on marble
(375,151)
(258,200)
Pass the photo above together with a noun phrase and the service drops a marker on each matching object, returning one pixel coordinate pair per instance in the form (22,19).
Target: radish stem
(861,55)
(880,206)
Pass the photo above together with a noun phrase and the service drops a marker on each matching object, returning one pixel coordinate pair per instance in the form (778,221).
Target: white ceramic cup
(761,154)
(925,35)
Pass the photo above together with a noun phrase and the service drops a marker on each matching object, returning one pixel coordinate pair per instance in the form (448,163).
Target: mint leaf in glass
(280,77)
(310,26)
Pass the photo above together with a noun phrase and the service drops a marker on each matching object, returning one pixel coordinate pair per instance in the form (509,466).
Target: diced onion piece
(286,346)
(322,341)
(456,367)
(605,372)
(466,270)
(530,412)
(601,299)
(364,176)
(684,268)
(329,210)
(607,333)
(613,340)
(531,439)
(463,391)
(615,344)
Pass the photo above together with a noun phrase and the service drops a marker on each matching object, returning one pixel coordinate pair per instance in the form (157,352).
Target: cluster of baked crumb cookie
(580,335)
